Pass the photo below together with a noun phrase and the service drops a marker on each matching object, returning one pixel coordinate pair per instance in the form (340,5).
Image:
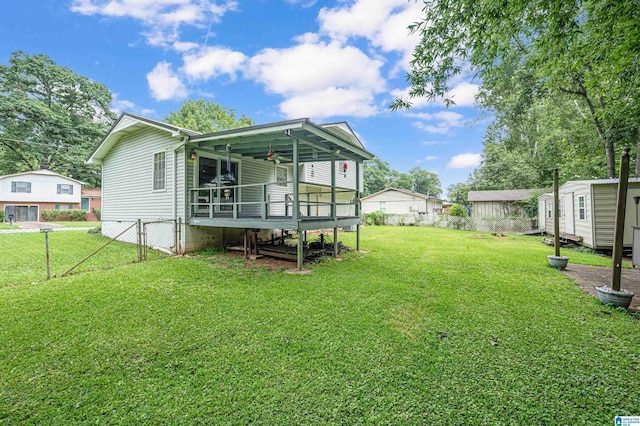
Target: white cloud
(463,161)
(320,79)
(184,46)
(431,158)
(121,105)
(441,122)
(162,18)
(165,84)
(211,62)
(383,23)
(312,67)
(464,94)
(330,102)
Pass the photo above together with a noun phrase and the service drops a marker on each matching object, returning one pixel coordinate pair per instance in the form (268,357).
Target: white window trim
(153,172)
(584,197)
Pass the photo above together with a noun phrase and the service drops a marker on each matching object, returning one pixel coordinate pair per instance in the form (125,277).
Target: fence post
(46,248)
(139,232)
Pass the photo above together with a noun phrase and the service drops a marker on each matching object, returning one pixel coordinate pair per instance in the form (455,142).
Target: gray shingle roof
(504,195)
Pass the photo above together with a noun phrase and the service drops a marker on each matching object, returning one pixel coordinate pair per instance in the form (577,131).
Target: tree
(50,117)
(206,117)
(377,176)
(587,50)
(425,182)
(459,193)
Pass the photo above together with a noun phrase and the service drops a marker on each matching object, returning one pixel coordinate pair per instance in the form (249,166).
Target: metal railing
(267,200)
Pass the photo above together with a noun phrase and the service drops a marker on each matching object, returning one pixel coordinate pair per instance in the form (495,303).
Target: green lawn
(431,326)
(23,255)
(79,224)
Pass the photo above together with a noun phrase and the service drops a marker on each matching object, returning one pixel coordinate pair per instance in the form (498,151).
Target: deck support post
(618,234)
(333,185)
(358,237)
(295,215)
(300,250)
(335,242)
(245,241)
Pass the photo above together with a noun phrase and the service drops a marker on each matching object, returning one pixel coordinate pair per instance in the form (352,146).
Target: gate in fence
(154,239)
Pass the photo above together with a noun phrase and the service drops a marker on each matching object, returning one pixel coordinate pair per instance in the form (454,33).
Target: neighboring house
(400,201)
(587,211)
(90,201)
(23,196)
(291,175)
(499,204)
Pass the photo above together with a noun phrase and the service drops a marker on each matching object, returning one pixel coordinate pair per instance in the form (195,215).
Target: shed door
(569,216)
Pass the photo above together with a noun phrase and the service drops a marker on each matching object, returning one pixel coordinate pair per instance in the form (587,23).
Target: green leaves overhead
(206,117)
(50,116)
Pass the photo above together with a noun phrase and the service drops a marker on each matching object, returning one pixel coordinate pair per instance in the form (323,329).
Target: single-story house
(23,196)
(401,201)
(587,211)
(290,175)
(90,202)
(499,204)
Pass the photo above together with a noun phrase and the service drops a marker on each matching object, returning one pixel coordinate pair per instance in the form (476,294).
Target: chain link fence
(497,225)
(142,241)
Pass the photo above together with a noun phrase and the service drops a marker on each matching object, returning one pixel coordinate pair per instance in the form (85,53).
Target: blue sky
(268,59)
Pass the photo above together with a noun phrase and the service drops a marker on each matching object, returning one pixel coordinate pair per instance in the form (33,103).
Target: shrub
(1,216)
(98,212)
(458,211)
(73,215)
(374,218)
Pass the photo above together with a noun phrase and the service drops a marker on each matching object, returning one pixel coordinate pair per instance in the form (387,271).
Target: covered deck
(296,204)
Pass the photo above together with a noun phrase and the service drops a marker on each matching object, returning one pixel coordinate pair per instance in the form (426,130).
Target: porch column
(296,190)
(335,242)
(358,205)
(333,185)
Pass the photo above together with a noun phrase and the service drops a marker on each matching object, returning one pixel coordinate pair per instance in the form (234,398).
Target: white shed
(587,211)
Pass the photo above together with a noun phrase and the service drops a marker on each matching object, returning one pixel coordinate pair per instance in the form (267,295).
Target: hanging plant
(344,169)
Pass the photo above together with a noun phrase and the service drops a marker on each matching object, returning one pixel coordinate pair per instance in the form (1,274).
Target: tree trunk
(638,154)
(611,159)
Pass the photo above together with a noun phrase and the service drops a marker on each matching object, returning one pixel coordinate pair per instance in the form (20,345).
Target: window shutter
(59,188)
(13,187)
(71,189)
(29,187)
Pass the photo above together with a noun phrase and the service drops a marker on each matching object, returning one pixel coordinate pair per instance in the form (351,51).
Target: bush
(98,212)
(73,215)
(458,211)
(1,216)
(375,218)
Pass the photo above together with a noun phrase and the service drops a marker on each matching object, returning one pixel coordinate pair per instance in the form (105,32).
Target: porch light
(193,155)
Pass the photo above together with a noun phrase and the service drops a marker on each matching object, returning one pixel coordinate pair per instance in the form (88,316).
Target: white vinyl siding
(38,186)
(126,186)
(159,171)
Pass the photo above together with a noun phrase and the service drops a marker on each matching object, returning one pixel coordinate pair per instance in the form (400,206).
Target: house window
(549,209)
(383,206)
(20,186)
(84,204)
(65,189)
(582,211)
(159,171)
(281,176)
(64,206)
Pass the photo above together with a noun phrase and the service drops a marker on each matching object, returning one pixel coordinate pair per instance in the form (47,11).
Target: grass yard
(78,224)
(24,255)
(431,326)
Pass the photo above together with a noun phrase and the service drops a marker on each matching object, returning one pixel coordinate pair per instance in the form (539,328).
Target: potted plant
(556,260)
(614,294)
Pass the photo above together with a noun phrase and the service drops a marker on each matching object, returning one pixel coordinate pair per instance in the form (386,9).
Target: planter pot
(620,298)
(559,262)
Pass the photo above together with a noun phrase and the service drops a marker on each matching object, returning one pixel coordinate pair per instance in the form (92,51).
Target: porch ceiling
(315,143)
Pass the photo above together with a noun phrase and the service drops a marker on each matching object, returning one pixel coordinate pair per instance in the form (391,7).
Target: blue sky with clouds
(268,59)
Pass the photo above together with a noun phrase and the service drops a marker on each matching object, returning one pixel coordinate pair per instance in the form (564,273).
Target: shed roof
(502,195)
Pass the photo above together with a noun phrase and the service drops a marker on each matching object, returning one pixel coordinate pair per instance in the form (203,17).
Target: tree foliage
(206,117)
(50,117)
(378,175)
(582,51)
